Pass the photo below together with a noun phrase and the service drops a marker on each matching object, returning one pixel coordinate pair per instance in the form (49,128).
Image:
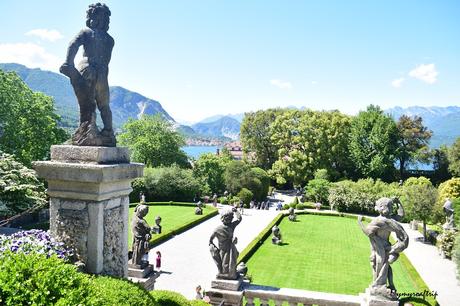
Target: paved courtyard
(186,260)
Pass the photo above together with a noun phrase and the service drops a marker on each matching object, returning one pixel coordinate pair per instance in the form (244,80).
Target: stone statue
(382,252)
(292,215)
(90,80)
(199,208)
(225,256)
(157,228)
(276,238)
(449,211)
(141,236)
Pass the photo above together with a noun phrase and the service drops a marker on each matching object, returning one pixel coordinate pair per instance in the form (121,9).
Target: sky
(200,58)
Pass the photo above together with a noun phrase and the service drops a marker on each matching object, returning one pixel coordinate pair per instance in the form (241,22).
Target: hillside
(222,127)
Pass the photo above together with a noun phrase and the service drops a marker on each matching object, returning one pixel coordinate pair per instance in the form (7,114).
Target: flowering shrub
(34,241)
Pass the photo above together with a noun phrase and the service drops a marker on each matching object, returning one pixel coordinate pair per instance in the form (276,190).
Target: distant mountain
(224,126)
(443,121)
(239,117)
(124,103)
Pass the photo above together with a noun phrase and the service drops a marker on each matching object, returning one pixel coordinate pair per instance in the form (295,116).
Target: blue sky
(200,58)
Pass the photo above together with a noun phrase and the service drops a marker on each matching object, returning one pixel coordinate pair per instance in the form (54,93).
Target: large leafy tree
(239,175)
(373,143)
(413,140)
(209,170)
(20,188)
(28,124)
(310,140)
(256,136)
(153,141)
(453,157)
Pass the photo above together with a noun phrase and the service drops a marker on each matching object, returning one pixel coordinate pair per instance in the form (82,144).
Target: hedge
(169,298)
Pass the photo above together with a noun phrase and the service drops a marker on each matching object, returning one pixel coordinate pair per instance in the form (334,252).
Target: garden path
(186,261)
(437,272)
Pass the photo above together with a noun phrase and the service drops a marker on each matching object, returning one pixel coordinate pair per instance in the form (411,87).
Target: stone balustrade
(293,297)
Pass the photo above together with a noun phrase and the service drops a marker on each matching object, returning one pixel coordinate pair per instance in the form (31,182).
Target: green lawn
(172,216)
(322,253)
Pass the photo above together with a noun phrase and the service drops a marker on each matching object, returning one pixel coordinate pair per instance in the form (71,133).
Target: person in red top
(158,261)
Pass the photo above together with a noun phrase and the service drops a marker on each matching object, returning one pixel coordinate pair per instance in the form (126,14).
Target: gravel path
(186,261)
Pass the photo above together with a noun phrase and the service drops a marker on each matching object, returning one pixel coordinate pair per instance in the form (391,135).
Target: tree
(153,141)
(318,190)
(373,143)
(239,175)
(421,199)
(310,140)
(20,188)
(453,156)
(209,170)
(256,136)
(441,164)
(413,138)
(28,124)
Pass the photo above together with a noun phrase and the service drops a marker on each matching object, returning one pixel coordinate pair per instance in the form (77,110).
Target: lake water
(196,151)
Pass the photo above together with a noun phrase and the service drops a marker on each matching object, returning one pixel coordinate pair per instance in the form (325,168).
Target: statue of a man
(141,235)
(225,255)
(90,80)
(382,252)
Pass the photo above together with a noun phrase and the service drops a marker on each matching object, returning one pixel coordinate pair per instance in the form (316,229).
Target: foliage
(286,206)
(373,143)
(209,170)
(448,189)
(421,180)
(245,195)
(412,181)
(421,201)
(34,241)
(441,164)
(322,174)
(170,184)
(317,190)
(256,133)
(453,156)
(223,200)
(294,202)
(446,242)
(153,141)
(28,124)
(117,291)
(20,188)
(360,196)
(198,303)
(456,205)
(413,138)
(456,254)
(240,175)
(310,140)
(300,206)
(34,279)
(169,298)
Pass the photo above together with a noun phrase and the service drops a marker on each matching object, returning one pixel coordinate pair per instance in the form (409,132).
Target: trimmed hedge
(166,235)
(169,298)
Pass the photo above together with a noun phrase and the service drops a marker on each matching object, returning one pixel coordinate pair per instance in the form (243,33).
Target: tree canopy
(28,124)
(153,141)
(453,157)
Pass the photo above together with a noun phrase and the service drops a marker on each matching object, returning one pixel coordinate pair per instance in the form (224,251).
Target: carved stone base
(230,298)
(139,271)
(369,299)
(88,134)
(224,284)
(145,277)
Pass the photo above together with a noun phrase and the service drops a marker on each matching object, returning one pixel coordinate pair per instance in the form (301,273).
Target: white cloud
(281,84)
(426,73)
(30,55)
(397,82)
(45,34)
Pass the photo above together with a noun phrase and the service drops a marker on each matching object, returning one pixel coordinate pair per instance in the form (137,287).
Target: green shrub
(108,290)
(317,190)
(456,254)
(321,174)
(223,200)
(245,195)
(456,206)
(294,203)
(169,298)
(198,303)
(448,189)
(286,206)
(446,242)
(417,181)
(38,280)
(300,206)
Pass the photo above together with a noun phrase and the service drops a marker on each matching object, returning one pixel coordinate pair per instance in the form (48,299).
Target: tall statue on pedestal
(226,255)
(383,253)
(448,209)
(141,236)
(90,80)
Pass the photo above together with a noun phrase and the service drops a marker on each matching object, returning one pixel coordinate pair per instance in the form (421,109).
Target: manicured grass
(324,253)
(173,217)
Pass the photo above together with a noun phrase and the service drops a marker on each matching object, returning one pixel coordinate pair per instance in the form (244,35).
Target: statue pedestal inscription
(89,189)
(227,291)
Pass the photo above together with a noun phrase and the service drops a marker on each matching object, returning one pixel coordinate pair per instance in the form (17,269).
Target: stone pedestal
(89,200)
(371,300)
(144,276)
(227,291)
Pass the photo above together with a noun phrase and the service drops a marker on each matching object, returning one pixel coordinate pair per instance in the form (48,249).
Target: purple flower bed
(36,241)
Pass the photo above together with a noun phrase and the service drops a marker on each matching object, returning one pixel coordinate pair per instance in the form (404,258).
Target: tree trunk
(401,168)
(424,231)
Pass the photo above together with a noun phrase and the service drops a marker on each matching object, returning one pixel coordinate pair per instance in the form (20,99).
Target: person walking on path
(158,261)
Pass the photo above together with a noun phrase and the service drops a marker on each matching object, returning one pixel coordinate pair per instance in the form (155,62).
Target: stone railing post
(89,191)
